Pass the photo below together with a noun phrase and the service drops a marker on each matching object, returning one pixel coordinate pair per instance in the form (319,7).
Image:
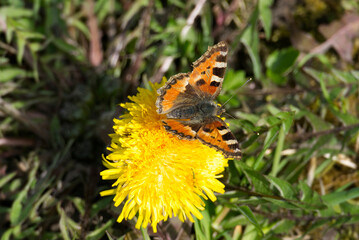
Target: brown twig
(157,77)
(9,110)
(131,75)
(307,218)
(96,54)
(8,48)
(284,91)
(276,216)
(254,194)
(193,15)
(17,142)
(306,136)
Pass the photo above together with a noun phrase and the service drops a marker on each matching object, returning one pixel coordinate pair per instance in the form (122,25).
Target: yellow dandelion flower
(157,175)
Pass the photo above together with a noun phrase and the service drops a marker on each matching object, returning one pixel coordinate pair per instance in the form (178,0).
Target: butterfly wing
(216,134)
(204,82)
(176,93)
(181,129)
(183,91)
(208,71)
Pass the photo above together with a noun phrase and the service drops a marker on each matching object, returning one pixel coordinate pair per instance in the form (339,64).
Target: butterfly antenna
(225,113)
(250,79)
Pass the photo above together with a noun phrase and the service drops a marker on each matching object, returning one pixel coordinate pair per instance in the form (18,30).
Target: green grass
(66,65)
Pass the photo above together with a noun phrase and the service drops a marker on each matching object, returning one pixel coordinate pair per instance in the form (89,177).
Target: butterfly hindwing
(216,134)
(208,71)
(181,128)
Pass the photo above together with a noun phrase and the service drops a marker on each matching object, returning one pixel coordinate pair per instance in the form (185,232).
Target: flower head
(157,175)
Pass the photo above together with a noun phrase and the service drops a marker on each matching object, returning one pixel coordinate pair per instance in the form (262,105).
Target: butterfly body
(187,100)
(199,112)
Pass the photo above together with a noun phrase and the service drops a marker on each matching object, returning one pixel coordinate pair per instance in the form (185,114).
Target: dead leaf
(340,35)
(301,40)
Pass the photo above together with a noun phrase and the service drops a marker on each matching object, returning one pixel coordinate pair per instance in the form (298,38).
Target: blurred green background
(66,65)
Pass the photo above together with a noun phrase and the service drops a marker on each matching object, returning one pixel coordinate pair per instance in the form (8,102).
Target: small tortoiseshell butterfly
(187,99)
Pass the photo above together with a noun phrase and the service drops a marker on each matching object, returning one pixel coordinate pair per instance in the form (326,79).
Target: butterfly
(187,100)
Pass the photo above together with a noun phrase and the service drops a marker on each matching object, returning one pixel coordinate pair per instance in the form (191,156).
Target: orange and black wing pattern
(216,134)
(181,129)
(175,93)
(204,82)
(208,71)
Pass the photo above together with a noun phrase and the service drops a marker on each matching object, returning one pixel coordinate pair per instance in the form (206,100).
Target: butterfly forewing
(173,93)
(208,71)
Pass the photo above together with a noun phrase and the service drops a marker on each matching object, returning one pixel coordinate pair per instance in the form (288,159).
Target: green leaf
(25,233)
(295,167)
(346,118)
(265,13)
(199,232)
(339,197)
(271,136)
(247,212)
(253,202)
(102,9)
(345,76)
(286,190)
(6,235)
(317,123)
(355,73)
(306,191)
(98,233)
(250,39)
(81,26)
(251,141)
(133,10)
(282,203)
(282,60)
(79,204)
(34,47)
(203,226)
(259,182)
(233,80)
(250,233)
(287,120)
(70,49)
(278,151)
(14,12)
(321,76)
(3,61)
(247,116)
(19,209)
(317,224)
(207,23)
(16,207)
(283,226)
(20,42)
(30,35)
(62,224)
(279,62)
(231,222)
(5,179)
(100,205)
(145,234)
